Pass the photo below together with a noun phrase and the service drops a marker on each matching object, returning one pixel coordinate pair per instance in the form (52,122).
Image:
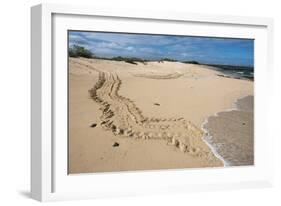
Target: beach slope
(144,116)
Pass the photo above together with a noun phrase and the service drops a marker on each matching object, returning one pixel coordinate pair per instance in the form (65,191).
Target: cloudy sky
(153,47)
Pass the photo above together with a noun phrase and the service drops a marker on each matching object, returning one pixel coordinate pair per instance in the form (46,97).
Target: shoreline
(207,135)
(212,147)
(204,137)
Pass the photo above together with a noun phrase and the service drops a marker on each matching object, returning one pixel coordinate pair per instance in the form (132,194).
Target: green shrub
(72,52)
(191,62)
(119,58)
(79,51)
(130,60)
(168,60)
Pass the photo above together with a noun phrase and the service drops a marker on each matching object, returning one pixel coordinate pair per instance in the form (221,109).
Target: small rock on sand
(93,125)
(116,144)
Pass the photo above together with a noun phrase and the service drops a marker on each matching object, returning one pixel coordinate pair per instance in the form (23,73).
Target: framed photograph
(134,102)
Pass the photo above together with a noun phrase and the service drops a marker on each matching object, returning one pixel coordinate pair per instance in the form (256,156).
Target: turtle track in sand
(121,116)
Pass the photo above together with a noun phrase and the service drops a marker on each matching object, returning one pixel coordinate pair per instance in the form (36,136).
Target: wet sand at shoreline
(231,133)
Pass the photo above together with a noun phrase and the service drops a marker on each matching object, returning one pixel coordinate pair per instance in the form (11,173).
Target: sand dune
(122,104)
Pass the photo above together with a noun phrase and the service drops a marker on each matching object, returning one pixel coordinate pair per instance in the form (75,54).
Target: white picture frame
(49,180)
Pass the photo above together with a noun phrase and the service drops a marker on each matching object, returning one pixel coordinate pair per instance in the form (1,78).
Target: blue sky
(153,47)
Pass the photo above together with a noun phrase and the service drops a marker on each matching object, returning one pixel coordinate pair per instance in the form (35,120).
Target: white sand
(170,94)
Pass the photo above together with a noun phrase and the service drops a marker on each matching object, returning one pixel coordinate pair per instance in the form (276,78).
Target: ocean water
(239,72)
(230,134)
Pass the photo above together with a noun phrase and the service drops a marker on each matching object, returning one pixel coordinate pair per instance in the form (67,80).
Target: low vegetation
(168,60)
(191,62)
(130,60)
(79,51)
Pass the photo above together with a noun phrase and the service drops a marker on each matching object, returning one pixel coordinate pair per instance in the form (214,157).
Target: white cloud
(130,48)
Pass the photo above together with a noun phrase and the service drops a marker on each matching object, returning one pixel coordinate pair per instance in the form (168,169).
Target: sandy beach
(149,116)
